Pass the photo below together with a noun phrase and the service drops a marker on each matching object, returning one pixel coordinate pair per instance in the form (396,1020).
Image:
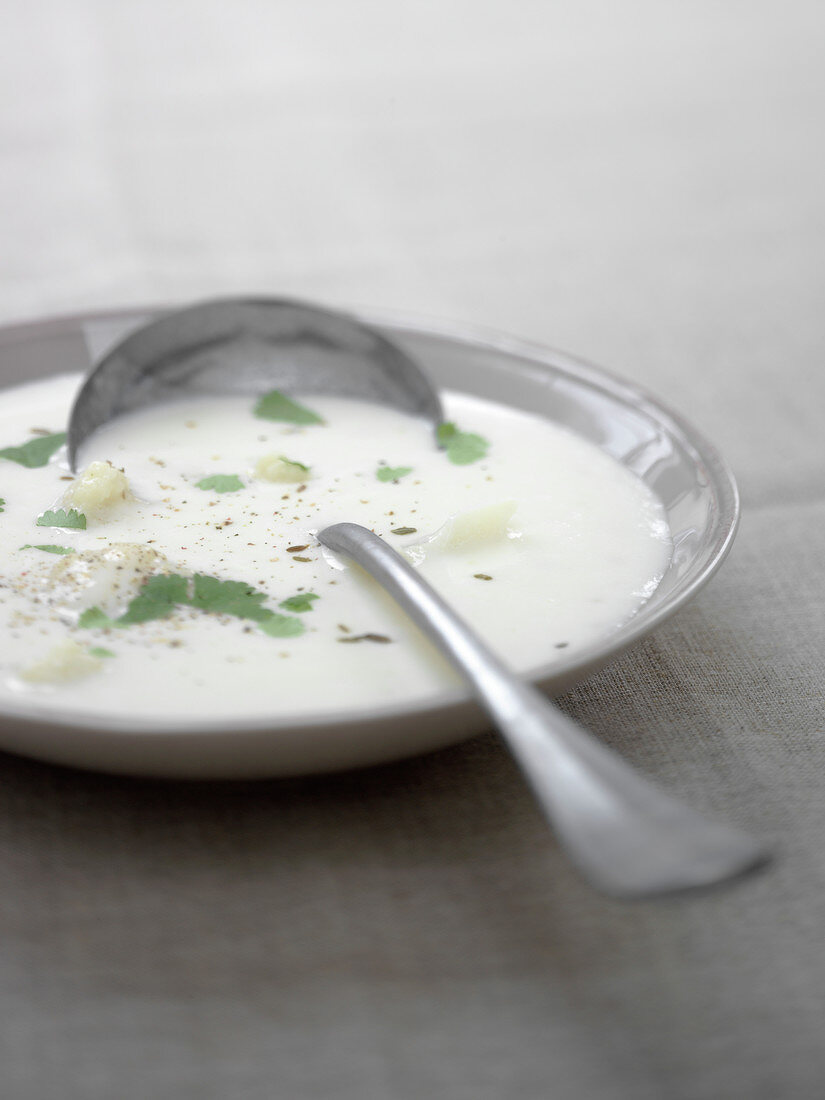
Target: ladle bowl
(249,346)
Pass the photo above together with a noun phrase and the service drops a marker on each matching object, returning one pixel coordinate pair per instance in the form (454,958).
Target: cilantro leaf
(294,462)
(62,518)
(221,483)
(157,598)
(281,626)
(49,548)
(302,602)
(2,502)
(93,618)
(100,651)
(277,406)
(392,473)
(462,447)
(36,452)
(161,594)
(228,598)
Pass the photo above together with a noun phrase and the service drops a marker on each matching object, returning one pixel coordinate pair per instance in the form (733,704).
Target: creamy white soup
(178,573)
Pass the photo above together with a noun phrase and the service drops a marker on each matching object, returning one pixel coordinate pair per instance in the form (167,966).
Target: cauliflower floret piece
(98,490)
(62,664)
(469,530)
(107,578)
(274,467)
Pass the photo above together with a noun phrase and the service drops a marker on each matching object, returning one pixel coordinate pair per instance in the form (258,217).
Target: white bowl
(682,468)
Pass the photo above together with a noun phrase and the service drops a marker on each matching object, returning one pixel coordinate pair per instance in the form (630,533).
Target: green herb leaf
(48,548)
(100,651)
(160,595)
(156,599)
(277,406)
(228,598)
(392,473)
(462,447)
(36,452)
(302,602)
(93,618)
(62,518)
(281,626)
(294,462)
(221,483)
(2,502)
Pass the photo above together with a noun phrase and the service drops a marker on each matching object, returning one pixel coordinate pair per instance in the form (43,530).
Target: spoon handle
(626,836)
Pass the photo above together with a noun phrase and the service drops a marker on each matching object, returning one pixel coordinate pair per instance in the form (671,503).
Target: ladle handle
(627,836)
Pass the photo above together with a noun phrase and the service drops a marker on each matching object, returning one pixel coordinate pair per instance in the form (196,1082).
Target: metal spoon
(627,836)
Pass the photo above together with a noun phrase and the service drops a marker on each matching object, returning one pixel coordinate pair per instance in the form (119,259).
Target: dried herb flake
(380,638)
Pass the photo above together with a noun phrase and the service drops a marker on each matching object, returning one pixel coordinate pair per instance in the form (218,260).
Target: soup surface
(178,574)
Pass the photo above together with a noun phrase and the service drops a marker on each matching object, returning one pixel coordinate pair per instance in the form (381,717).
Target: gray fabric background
(640,183)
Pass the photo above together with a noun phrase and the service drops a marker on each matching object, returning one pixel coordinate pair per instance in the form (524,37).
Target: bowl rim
(555,678)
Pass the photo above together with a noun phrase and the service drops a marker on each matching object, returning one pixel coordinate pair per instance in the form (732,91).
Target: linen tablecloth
(639,183)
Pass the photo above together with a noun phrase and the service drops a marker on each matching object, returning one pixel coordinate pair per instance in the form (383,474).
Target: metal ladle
(628,837)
